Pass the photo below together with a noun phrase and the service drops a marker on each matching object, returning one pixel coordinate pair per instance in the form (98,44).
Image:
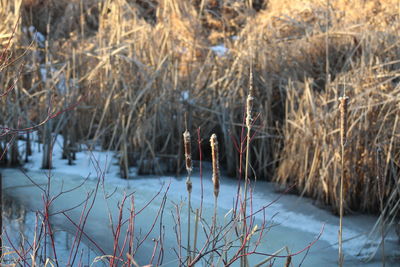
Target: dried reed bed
(141,65)
(290,53)
(311,154)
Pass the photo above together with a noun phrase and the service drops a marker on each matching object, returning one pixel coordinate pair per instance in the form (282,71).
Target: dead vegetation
(141,65)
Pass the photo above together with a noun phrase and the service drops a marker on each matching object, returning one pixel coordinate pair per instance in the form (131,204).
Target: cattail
(188,152)
(189,185)
(343,105)
(249,120)
(215,165)
(215,179)
(249,103)
(188,159)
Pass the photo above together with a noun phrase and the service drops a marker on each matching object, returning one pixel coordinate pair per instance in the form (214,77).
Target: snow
(37,36)
(185,95)
(296,220)
(56,75)
(220,50)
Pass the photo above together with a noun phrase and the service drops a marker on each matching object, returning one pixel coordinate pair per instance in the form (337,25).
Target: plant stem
(188,161)
(1,216)
(383,237)
(196,227)
(246,182)
(214,227)
(341,208)
(343,132)
(188,233)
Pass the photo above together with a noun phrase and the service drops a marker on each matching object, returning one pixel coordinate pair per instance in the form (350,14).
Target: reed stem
(381,195)
(343,132)
(196,229)
(1,216)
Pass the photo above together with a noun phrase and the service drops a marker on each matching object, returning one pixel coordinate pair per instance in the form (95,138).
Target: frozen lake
(292,222)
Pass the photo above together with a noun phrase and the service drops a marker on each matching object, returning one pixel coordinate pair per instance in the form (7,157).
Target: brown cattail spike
(188,159)
(215,165)
(249,102)
(188,152)
(189,185)
(343,106)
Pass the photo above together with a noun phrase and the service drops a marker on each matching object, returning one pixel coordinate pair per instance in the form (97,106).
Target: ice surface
(296,221)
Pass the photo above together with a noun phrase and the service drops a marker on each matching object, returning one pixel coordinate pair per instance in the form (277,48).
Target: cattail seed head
(189,185)
(249,102)
(215,165)
(188,152)
(343,107)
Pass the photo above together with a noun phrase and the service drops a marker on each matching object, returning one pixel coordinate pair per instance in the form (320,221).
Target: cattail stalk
(1,215)
(343,106)
(249,121)
(188,160)
(196,230)
(215,179)
(288,261)
(381,194)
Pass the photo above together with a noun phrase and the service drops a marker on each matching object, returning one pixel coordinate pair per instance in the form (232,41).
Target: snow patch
(220,50)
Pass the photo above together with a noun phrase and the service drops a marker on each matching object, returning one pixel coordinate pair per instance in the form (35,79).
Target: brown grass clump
(288,47)
(311,154)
